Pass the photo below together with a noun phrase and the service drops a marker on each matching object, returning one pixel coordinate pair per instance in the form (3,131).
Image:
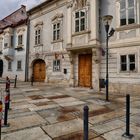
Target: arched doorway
(39,70)
(1,68)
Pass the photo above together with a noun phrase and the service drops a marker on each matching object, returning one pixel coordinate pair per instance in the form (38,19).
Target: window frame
(128,63)
(57,31)
(79,19)
(20,39)
(19,68)
(126,11)
(57,67)
(38,36)
(9,65)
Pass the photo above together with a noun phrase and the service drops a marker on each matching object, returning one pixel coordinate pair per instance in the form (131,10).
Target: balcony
(8,53)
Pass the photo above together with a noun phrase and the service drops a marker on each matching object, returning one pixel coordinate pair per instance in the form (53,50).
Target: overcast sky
(9,6)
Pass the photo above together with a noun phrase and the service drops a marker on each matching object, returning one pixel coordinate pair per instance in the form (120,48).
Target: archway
(1,68)
(39,70)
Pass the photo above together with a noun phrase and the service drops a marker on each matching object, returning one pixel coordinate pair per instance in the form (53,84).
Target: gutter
(27,51)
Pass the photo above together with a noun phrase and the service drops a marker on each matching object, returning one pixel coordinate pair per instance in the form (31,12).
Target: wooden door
(85,70)
(39,71)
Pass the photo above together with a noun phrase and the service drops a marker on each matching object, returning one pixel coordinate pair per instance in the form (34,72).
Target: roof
(39,6)
(16,18)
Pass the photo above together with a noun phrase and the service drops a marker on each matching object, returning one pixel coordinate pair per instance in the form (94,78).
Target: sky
(9,6)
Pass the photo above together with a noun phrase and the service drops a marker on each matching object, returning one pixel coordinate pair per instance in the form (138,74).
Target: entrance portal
(85,70)
(1,68)
(39,70)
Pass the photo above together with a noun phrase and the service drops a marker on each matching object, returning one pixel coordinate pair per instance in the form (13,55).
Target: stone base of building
(124,88)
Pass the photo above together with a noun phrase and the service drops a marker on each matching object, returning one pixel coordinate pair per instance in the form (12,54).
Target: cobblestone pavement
(46,112)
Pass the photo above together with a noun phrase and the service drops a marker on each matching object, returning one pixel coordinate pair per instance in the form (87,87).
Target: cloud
(9,6)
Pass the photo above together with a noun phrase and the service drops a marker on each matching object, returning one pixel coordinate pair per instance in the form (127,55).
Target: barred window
(56,65)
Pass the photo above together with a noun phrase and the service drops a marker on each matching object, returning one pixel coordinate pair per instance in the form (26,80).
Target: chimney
(23,6)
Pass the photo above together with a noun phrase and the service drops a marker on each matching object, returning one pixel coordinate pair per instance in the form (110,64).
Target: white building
(13,36)
(64,42)
(67,37)
(124,46)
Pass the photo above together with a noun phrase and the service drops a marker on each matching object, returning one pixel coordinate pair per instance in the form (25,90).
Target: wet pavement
(48,112)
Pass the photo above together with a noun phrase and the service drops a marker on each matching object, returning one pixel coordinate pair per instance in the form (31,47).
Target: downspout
(27,51)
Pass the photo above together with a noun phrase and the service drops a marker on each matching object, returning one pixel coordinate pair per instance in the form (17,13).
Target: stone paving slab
(23,122)
(24,106)
(117,134)
(108,126)
(27,134)
(63,128)
(63,100)
(76,136)
(71,103)
(107,116)
(43,107)
(134,119)
(38,101)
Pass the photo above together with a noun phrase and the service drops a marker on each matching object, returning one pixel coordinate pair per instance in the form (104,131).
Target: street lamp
(107,19)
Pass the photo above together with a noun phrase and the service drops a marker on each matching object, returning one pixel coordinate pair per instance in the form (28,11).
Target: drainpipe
(27,50)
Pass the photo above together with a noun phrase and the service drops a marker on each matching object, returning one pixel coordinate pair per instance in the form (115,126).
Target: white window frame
(126,9)
(79,19)
(38,36)
(57,66)
(57,31)
(128,63)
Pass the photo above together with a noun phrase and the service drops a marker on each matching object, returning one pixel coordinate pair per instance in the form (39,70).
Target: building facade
(64,42)
(13,35)
(124,46)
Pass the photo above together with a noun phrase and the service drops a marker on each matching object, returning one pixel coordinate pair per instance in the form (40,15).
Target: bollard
(127,133)
(32,80)
(6,110)
(15,84)
(86,109)
(8,90)
(0,117)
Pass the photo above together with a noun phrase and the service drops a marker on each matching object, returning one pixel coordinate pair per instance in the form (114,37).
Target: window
(9,65)
(80,21)
(38,37)
(19,65)
(128,62)
(56,31)
(56,65)
(127,12)
(20,39)
(12,41)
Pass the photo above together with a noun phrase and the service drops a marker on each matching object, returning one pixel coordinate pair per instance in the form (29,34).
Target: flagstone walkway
(46,112)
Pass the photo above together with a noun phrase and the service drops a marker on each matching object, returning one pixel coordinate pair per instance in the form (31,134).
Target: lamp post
(107,19)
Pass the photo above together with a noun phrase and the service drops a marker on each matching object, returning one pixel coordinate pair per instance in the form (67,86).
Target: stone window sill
(38,45)
(128,27)
(81,33)
(57,41)
(19,70)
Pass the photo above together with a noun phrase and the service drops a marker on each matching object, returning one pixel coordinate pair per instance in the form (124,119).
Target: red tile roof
(14,19)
